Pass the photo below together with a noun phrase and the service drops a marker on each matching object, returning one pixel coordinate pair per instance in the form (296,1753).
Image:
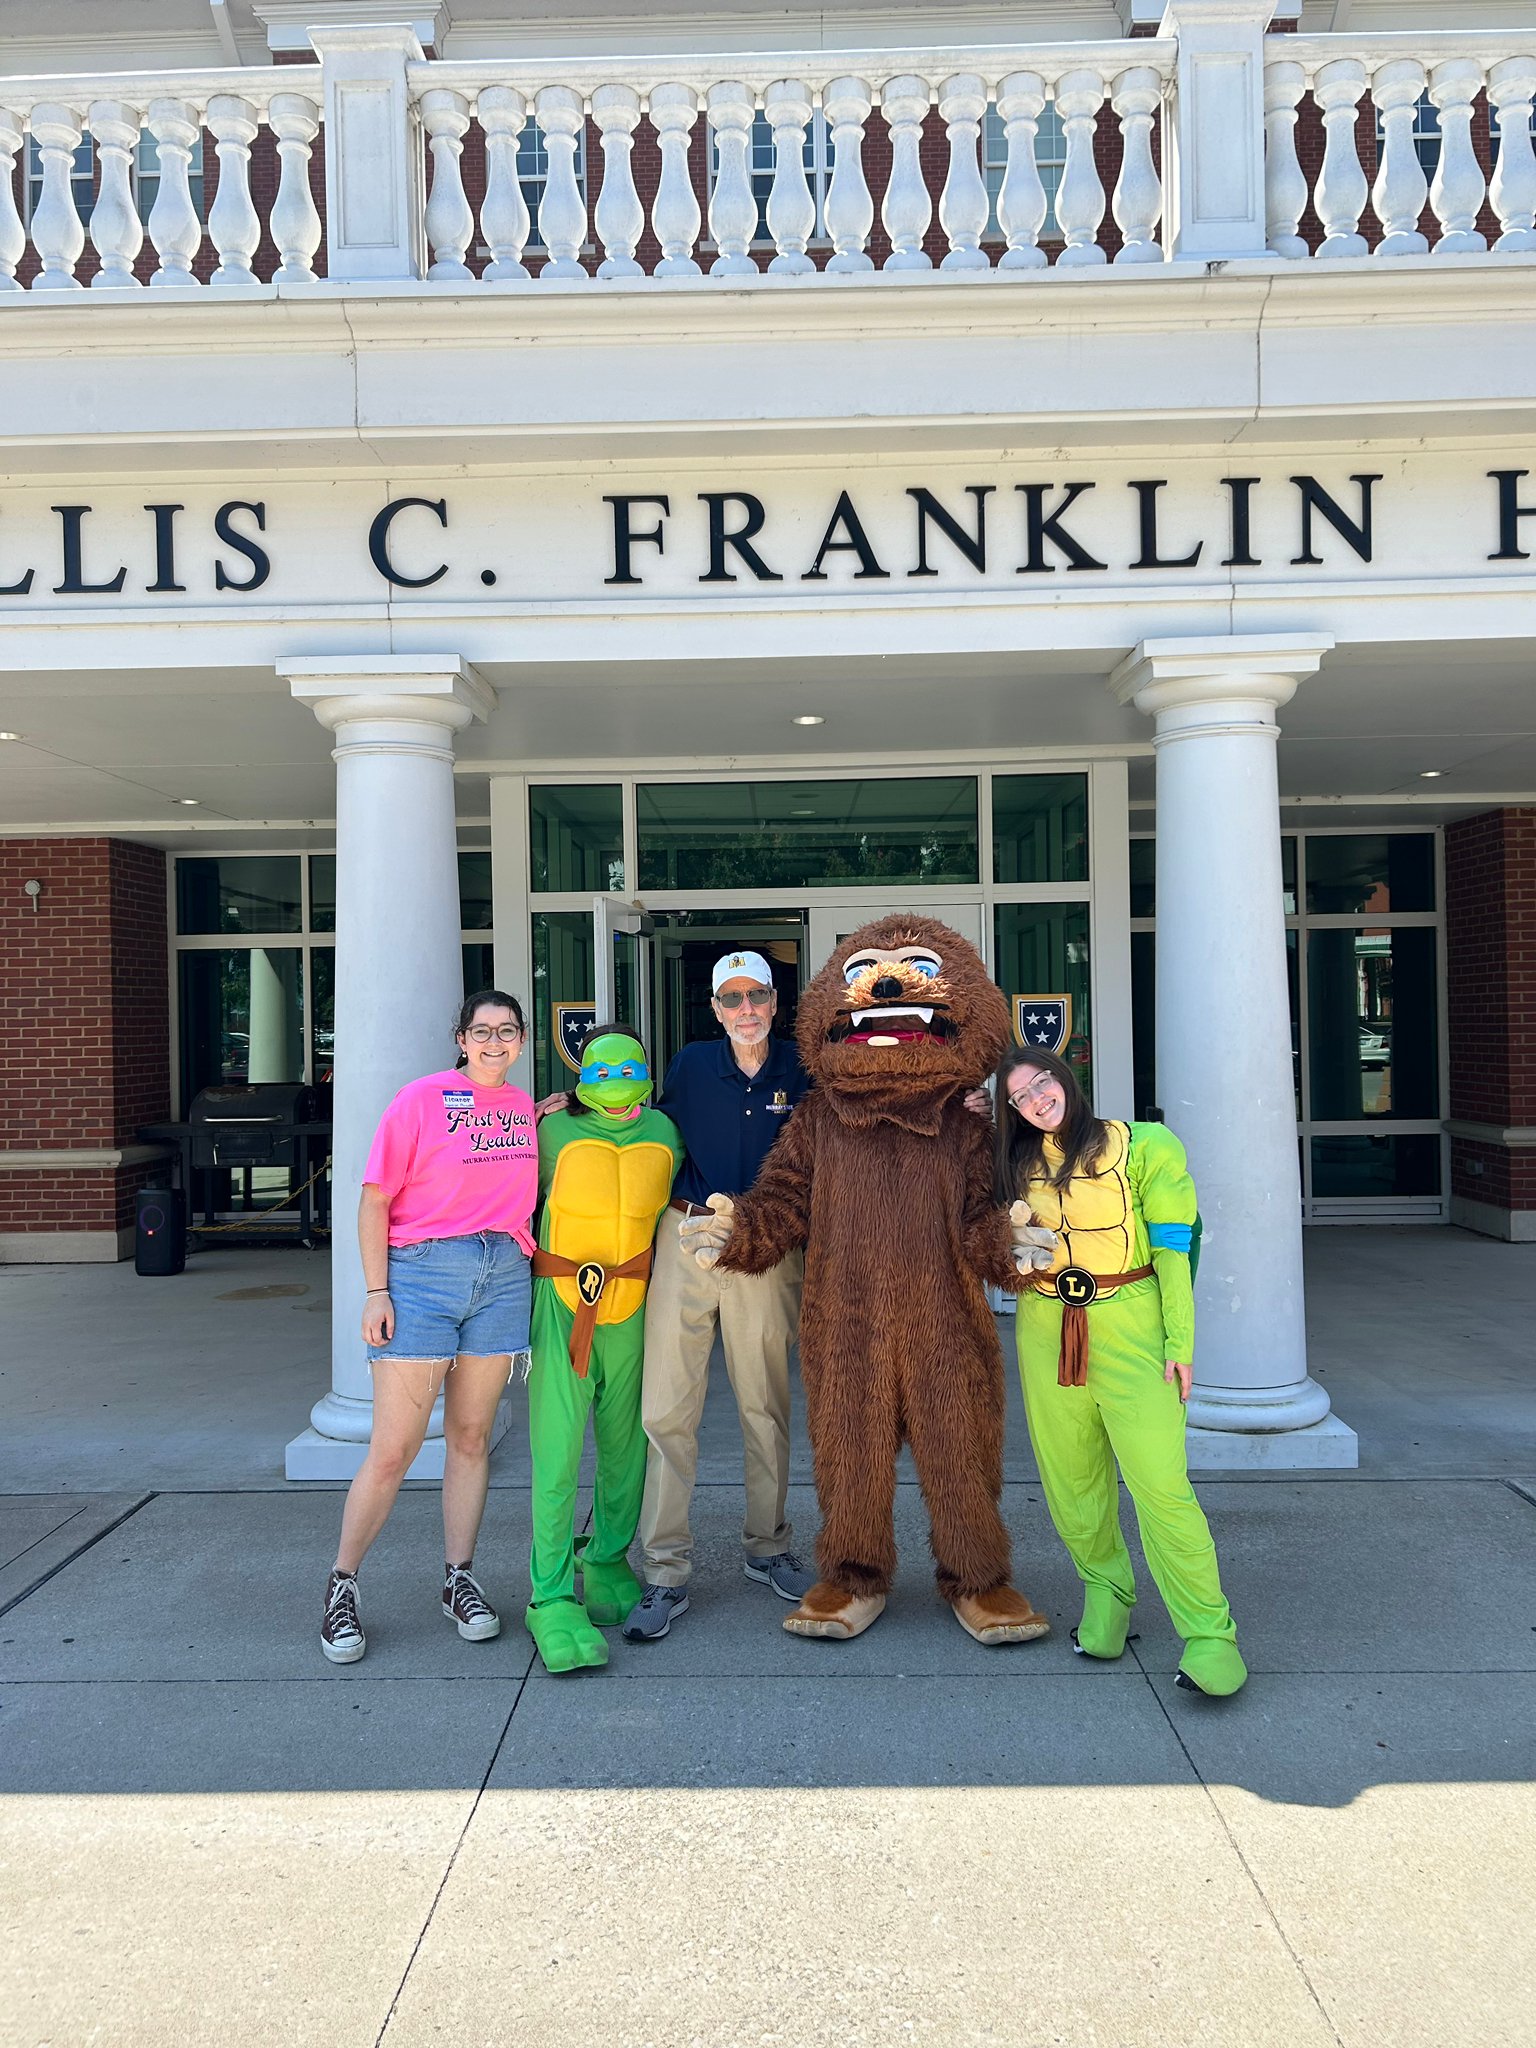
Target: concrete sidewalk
(734,1838)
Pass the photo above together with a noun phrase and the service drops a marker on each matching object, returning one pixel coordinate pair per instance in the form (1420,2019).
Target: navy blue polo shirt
(728,1119)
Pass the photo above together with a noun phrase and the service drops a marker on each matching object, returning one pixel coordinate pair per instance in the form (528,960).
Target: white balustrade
(450,220)
(1511,86)
(963,205)
(233,223)
(675,215)
(907,208)
(504,217)
(1080,195)
(1341,188)
(618,216)
(117,234)
(850,210)
(174,227)
(1021,201)
(295,121)
(1138,204)
(562,209)
(1401,188)
(57,232)
(732,208)
(1458,188)
(13,235)
(791,205)
(1285,182)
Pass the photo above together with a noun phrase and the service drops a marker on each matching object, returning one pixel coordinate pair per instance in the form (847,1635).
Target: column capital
(341,690)
(1260,670)
(1181,14)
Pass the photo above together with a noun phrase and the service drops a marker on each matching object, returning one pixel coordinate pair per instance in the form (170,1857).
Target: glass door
(831,923)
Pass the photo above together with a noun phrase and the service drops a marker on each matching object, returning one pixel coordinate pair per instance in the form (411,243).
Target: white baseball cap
(732,966)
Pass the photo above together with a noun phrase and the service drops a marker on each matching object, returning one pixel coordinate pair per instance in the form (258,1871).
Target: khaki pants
(757,1314)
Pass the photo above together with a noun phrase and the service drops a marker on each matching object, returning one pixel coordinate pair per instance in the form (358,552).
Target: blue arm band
(1170,1237)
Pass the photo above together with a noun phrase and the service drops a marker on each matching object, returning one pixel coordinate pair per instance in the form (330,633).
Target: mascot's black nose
(886,987)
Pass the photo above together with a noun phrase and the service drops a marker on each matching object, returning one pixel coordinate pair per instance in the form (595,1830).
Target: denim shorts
(458,1294)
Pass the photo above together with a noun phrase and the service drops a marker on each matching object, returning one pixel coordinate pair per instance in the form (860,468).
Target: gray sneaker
(652,1615)
(788,1576)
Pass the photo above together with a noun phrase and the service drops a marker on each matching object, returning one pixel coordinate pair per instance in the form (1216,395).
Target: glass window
(1376,1165)
(808,835)
(1288,872)
(1143,877)
(242,893)
(322,892)
(563,972)
(1143,1020)
(82,177)
(1372,1025)
(577,837)
(1040,828)
(322,989)
(479,968)
(1370,871)
(1042,949)
(475,912)
(762,157)
(146,177)
(242,1016)
(533,174)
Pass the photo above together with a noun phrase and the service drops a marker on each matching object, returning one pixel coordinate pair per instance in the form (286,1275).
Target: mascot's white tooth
(926,1015)
(874,1040)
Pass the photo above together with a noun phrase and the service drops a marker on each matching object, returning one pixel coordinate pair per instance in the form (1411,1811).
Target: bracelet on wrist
(378,1290)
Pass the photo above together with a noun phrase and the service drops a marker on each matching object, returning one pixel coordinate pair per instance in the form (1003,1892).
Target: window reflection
(242,1017)
(1372,1023)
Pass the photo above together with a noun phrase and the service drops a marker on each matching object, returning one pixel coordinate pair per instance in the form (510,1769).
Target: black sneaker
(341,1632)
(466,1604)
(652,1615)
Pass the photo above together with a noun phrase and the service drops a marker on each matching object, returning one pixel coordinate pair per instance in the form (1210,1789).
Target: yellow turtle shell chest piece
(602,1206)
(1092,1214)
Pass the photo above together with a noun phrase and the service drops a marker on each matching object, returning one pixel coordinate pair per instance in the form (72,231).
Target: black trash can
(160,1232)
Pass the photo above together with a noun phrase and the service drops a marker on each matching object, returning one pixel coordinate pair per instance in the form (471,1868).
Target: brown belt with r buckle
(591,1279)
(1075,1289)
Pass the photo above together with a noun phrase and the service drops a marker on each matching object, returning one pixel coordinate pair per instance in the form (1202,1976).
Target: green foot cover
(608,1591)
(1106,1620)
(566,1640)
(1216,1667)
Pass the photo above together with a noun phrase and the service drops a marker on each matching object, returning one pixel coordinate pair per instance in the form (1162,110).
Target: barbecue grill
(256,1125)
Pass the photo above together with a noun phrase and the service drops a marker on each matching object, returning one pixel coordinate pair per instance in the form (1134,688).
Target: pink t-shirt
(454,1159)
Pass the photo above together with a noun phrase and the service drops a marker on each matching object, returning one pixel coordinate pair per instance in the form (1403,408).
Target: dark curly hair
(1020,1151)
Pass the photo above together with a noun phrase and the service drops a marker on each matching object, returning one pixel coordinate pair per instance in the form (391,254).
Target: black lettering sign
(74,584)
(257,556)
(1242,555)
(378,542)
(20,587)
(741,540)
(165,547)
(1511,512)
(1315,499)
(1149,558)
(1046,526)
(625,538)
(972,546)
(856,543)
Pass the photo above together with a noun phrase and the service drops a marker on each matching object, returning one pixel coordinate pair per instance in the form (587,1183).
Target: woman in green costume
(605,1175)
(1105,1214)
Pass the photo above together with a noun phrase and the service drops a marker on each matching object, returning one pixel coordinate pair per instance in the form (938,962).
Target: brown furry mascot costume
(885,1177)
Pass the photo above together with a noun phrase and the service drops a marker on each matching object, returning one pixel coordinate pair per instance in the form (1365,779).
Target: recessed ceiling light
(1429,774)
(807,718)
(10,735)
(191,801)
(802,814)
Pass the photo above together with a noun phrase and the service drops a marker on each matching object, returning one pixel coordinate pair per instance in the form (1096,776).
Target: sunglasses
(733,999)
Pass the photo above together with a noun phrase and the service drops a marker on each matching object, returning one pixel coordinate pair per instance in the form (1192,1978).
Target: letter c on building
(378,542)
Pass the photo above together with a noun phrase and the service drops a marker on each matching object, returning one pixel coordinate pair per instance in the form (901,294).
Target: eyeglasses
(482,1034)
(1041,1086)
(732,999)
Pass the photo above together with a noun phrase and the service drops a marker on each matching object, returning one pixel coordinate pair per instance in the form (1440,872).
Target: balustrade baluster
(174,227)
(1458,188)
(450,220)
(1341,188)
(732,208)
(117,234)
(850,212)
(907,207)
(1021,204)
(13,236)
(233,223)
(1137,96)
(1080,196)
(619,216)
(504,219)
(57,232)
(963,204)
(791,209)
(1401,189)
(1513,190)
(562,209)
(1285,182)
(295,121)
(675,212)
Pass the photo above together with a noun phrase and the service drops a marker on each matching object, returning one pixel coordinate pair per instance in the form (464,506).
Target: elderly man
(729,1099)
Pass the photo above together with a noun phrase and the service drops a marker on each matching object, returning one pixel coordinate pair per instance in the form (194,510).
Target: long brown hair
(1020,1148)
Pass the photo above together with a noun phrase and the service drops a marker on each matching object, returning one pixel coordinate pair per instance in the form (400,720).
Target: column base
(1261,1411)
(1326,1446)
(312,1456)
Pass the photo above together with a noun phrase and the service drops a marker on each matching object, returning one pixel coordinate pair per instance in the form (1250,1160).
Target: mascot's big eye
(927,964)
(856,963)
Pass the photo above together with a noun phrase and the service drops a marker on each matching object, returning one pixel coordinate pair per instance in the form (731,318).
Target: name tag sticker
(458,1098)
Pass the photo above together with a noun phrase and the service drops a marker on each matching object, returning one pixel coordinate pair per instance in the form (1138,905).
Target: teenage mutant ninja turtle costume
(1091,1358)
(605,1177)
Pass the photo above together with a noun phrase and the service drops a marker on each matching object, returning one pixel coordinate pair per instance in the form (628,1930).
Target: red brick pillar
(1490,920)
(84,1042)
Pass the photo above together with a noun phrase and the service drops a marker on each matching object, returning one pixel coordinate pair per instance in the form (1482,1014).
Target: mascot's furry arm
(752,1234)
(985,1229)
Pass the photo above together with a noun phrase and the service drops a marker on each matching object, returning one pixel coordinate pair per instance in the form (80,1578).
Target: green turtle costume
(1094,1392)
(605,1177)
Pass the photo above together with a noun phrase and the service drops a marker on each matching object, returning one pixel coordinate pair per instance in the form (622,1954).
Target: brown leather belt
(591,1279)
(1069,1289)
(689,1208)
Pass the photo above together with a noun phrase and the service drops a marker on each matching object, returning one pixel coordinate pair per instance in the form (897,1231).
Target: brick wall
(84,1025)
(1490,902)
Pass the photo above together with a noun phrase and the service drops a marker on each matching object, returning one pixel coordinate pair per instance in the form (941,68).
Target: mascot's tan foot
(1001,1616)
(829,1612)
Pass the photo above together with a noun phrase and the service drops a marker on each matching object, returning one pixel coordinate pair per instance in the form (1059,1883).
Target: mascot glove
(1034,1247)
(707,1236)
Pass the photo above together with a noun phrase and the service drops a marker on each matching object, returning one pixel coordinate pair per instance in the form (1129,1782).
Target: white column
(1224,1073)
(399,976)
(1213,139)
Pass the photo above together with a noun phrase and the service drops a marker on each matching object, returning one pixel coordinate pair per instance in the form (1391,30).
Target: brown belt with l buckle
(1075,1289)
(591,1279)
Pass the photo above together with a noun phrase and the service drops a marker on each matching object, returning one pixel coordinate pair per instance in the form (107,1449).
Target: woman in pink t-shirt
(448,1192)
